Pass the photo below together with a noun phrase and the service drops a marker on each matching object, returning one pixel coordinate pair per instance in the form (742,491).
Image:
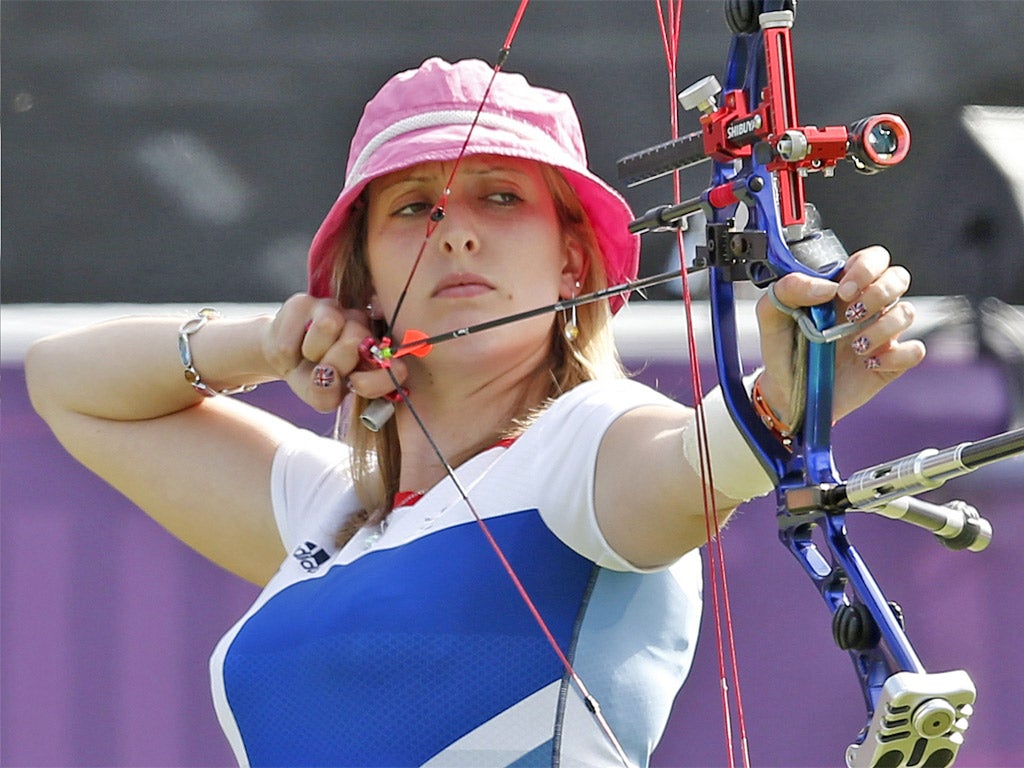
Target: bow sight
(761,155)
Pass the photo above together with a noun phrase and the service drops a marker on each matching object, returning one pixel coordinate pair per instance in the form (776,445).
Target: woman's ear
(373,307)
(575,268)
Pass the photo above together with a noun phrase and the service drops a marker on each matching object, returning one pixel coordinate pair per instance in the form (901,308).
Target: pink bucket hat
(424,115)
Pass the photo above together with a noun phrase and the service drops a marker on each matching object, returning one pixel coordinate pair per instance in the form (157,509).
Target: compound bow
(761,155)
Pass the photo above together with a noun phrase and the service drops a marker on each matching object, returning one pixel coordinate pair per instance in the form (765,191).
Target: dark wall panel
(186,151)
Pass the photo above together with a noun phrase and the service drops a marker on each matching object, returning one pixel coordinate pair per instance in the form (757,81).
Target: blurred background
(185,152)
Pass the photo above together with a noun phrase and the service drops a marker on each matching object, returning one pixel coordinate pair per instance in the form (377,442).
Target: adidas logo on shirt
(311,556)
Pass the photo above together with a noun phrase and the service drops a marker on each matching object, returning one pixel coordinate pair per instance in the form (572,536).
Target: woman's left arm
(648,497)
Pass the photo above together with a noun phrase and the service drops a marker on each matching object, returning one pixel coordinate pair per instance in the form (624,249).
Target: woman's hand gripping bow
(868,289)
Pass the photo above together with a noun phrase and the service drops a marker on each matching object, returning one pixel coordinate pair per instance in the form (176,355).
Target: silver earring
(571,329)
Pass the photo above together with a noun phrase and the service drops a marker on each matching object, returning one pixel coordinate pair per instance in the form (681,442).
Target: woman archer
(379,588)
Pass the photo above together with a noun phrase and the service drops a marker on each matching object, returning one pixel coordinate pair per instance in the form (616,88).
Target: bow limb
(764,176)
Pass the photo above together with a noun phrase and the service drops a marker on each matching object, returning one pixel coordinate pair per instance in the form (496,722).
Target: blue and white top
(412,646)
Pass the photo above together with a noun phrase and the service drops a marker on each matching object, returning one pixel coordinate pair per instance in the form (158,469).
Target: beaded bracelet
(779,428)
(189,327)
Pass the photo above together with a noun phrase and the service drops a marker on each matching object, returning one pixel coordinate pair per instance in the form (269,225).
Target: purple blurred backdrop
(107,622)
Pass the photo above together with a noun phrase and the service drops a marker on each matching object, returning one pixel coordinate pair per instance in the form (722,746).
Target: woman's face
(499,249)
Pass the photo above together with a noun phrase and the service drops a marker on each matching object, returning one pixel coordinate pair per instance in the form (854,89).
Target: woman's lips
(461,286)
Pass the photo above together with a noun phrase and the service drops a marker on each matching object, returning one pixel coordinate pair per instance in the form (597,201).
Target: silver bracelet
(205,315)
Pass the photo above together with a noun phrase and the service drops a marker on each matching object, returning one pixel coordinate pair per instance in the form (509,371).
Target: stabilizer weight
(920,720)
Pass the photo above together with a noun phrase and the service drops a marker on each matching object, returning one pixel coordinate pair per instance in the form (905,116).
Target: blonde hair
(376,456)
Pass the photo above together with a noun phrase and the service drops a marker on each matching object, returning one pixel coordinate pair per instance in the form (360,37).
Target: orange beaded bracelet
(779,428)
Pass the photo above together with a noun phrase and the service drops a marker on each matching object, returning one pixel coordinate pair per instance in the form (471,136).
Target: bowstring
(438,211)
(434,220)
(588,698)
(670,26)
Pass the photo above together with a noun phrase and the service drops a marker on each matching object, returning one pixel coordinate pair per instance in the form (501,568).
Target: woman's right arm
(116,397)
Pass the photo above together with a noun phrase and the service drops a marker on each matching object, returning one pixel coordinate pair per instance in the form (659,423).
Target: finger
(896,358)
(880,294)
(378,382)
(887,328)
(793,290)
(799,290)
(322,329)
(343,354)
(327,325)
(862,378)
(325,383)
(861,270)
(318,385)
(282,345)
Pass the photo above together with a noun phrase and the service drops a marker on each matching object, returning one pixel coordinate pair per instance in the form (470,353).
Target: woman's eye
(411,209)
(504,198)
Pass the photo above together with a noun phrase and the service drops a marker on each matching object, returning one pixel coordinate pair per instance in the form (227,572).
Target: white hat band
(456,117)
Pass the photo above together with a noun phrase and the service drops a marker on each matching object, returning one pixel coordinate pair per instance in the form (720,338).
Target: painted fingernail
(324,376)
(861,345)
(872,363)
(856,312)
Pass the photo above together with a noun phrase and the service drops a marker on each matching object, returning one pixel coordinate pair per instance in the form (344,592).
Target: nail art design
(872,363)
(861,345)
(856,312)
(324,376)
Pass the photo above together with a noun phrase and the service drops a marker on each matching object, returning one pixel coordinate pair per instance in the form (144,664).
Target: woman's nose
(457,235)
